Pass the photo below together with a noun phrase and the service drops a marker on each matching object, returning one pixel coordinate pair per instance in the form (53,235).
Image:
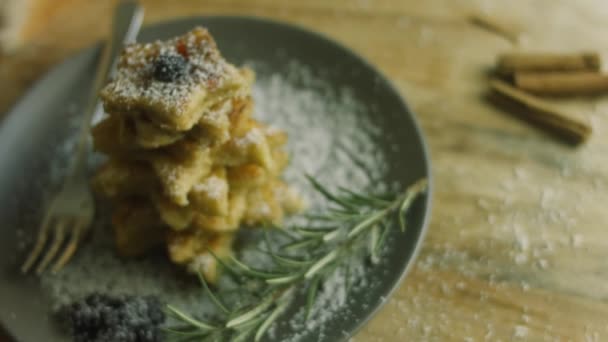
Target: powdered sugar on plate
(330,137)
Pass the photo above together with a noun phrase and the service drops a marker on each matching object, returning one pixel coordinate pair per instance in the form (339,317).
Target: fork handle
(127,20)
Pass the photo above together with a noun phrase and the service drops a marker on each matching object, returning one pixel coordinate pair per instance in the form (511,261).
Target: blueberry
(169,68)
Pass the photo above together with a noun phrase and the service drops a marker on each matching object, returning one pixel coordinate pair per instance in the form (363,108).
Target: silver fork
(69,215)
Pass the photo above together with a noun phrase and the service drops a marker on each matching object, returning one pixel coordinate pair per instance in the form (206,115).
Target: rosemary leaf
(369,221)
(327,194)
(252,272)
(213,297)
(289,261)
(285,232)
(314,232)
(321,263)
(240,264)
(185,331)
(244,331)
(402,212)
(312,295)
(332,218)
(374,236)
(283,280)
(242,336)
(249,315)
(383,235)
(233,271)
(343,212)
(300,244)
(249,325)
(411,193)
(281,261)
(331,235)
(189,320)
(271,318)
(361,199)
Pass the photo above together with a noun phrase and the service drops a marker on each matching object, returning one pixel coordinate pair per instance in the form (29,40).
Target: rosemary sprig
(352,221)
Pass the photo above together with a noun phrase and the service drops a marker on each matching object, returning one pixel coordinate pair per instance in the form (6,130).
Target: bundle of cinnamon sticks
(523,76)
(555,74)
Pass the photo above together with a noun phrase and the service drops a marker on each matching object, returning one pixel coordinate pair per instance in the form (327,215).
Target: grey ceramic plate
(37,124)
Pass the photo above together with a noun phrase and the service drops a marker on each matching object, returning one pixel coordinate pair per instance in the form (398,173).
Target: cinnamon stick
(544,114)
(562,83)
(529,62)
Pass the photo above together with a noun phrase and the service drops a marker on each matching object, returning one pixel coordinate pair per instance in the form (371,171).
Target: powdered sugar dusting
(330,137)
(201,262)
(213,186)
(326,127)
(134,83)
(253,137)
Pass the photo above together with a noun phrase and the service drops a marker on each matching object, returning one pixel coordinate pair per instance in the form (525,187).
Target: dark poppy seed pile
(102,318)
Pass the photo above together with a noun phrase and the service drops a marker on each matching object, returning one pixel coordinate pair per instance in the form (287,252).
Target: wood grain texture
(517,243)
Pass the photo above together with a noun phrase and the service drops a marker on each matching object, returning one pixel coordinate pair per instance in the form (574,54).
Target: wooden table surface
(517,240)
